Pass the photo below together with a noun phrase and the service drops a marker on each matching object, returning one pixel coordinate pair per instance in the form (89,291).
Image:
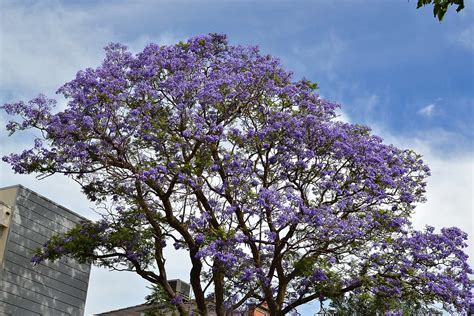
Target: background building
(27,220)
(156,310)
(184,290)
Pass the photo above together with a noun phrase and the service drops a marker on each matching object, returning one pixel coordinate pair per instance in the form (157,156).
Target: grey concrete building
(27,220)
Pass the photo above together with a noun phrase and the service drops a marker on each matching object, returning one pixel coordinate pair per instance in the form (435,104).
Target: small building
(153,310)
(27,220)
(184,290)
(156,310)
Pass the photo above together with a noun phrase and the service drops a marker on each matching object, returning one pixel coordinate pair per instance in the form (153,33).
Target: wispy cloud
(165,38)
(428,110)
(325,56)
(342,116)
(368,102)
(466,38)
(449,195)
(46,46)
(449,192)
(366,106)
(45,43)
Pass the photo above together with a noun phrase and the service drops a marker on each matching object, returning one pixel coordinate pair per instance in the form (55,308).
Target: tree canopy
(440,7)
(217,150)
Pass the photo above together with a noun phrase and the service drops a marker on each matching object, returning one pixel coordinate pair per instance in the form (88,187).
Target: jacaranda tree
(215,149)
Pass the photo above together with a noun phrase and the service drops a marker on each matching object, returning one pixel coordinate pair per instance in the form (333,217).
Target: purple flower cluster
(176,300)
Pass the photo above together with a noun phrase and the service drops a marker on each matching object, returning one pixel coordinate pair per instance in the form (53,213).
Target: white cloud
(367,104)
(325,56)
(428,110)
(342,116)
(165,38)
(466,38)
(45,45)
(449,195)
(450,188)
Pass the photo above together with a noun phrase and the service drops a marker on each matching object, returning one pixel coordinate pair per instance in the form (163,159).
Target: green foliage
(304,266)
(441,6)
(159,301)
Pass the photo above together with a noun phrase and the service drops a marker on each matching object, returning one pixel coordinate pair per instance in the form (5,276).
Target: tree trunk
(195,277)
(219,289)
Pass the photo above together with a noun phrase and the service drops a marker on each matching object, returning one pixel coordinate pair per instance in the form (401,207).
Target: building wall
(140,310)
(57,288)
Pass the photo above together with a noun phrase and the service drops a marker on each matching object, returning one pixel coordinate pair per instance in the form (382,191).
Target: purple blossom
(176,300)
(319,275)
(36,259)
(199,238)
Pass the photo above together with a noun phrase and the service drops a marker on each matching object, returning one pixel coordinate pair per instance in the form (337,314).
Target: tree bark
(218,279)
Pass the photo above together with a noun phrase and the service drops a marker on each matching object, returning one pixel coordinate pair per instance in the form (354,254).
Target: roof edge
(20,186)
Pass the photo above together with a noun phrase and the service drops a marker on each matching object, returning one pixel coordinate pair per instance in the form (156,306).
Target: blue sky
(390,66)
